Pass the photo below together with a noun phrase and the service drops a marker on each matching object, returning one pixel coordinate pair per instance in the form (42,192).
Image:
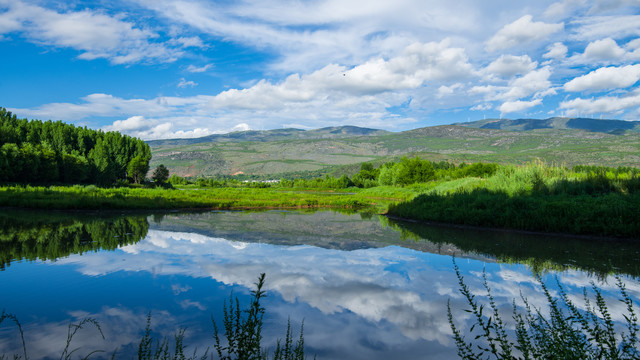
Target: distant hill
(338,150)
(587,124)
(338,132)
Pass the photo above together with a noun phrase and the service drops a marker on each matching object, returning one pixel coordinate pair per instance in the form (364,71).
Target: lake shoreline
(510,230)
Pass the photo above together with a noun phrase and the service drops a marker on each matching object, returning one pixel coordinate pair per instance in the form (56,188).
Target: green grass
(91,197)
(535,197)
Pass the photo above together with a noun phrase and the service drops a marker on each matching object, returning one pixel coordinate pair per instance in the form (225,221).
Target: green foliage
(79,197)
(243,332)
(567,332)
(48,152)
(161,350)
(138,168)
(535,197)
(160,174)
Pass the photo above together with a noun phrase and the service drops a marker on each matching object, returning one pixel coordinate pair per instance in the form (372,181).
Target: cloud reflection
(366,303)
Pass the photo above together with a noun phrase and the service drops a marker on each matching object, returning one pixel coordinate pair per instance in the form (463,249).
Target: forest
(54,152)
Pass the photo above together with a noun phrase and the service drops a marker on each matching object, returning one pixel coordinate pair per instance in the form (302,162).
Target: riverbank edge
(125,200)
(491,229)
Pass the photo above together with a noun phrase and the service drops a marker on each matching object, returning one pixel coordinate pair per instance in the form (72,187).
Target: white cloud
(93,33)
(328,64)
(520,32)
(602,50)
(605,78)
(481,107)
(185,42)
(556,51)
(449,90)
(153,129)
(605,104)
(418,64)
(562,8)
(184,83)
(530,84)
(132,123)
(591,28)
(241,127)
(518,105)
(103,105)
(306,36)
(507,66)
(196,69)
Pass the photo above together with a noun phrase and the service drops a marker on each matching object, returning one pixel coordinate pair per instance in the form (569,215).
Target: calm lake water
(365,286)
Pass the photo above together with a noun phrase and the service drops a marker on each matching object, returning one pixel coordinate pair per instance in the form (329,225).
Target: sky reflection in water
(381,301)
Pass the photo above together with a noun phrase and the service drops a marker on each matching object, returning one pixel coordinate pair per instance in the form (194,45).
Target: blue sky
(189,68)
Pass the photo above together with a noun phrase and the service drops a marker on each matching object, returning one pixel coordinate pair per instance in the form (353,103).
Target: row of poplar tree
(52,151)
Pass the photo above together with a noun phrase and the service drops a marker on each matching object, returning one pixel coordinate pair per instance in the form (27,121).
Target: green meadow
(584,200)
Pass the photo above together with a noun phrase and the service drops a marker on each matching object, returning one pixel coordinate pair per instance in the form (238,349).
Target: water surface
(366,287)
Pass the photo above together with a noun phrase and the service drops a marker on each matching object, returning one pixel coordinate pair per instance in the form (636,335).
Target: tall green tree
(48,151)
(160,174)
(138,168)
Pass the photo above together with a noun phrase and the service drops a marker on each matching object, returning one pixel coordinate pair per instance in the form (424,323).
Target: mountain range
(338,150)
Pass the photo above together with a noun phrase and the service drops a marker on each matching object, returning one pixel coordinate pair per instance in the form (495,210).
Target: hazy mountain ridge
(587,124)
(340,149)
(336,132)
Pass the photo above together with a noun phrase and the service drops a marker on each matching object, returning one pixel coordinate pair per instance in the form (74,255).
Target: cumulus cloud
(418,64)
(605,78)
(602,50)
(522,31)
(151,129)
(507,66)
(327,64)
(605,104)
(518,105)
(132,123)
(556,51)
(449,90)
(93,33)
(535,82)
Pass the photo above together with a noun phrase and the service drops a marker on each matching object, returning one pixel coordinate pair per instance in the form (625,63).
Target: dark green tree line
(51,151)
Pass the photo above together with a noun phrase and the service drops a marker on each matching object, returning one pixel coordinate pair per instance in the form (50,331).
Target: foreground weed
(242,337)
(7,316)
(243,332)
(150,350)
(567,332)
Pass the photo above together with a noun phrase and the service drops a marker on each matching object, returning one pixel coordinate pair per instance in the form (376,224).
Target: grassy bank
(535,197)
(95,198)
